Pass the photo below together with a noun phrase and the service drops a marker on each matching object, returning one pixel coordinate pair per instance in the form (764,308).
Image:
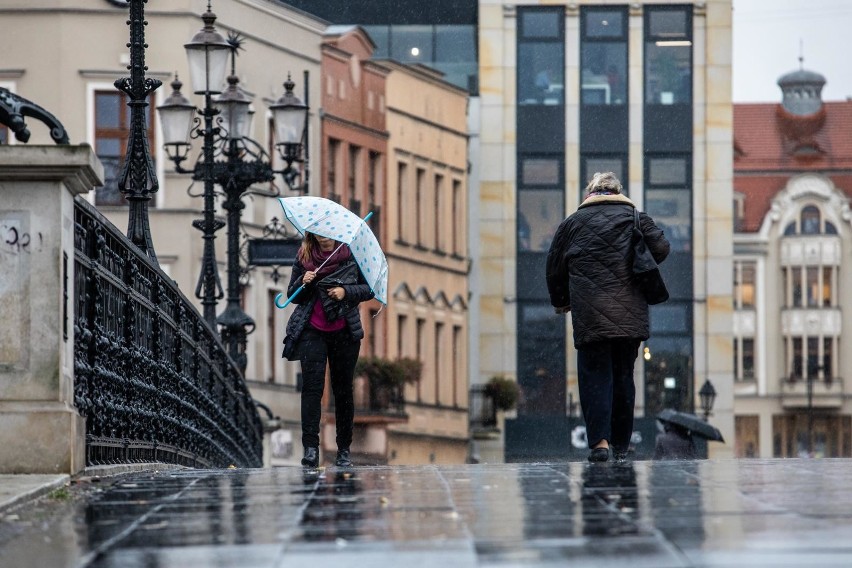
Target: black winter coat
(305,300)
(589,269)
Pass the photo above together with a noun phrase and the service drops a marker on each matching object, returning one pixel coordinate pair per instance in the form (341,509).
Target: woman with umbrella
(325,329)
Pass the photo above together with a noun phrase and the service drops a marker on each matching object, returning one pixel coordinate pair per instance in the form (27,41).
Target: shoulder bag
(646,272)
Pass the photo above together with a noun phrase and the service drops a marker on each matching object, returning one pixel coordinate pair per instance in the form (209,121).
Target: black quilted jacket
(355,294)
(588,269)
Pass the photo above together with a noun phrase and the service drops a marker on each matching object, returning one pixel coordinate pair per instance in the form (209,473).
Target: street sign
(273,252)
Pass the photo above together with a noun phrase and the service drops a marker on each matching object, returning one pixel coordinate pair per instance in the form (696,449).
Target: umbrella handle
(290,299)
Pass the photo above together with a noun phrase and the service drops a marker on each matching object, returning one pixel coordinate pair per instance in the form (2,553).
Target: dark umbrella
(691,422)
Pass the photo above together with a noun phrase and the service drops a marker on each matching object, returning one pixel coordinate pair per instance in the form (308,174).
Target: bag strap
(636,219)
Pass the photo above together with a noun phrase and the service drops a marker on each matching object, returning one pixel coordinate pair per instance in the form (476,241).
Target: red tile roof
(771,146)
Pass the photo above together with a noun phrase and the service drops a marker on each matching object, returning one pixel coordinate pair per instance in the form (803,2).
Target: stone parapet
(40,430)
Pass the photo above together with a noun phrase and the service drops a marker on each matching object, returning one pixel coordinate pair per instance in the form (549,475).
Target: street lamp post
(230,159)
(707,394)
(138,180)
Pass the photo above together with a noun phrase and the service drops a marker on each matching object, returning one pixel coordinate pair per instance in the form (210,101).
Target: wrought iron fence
(151,377)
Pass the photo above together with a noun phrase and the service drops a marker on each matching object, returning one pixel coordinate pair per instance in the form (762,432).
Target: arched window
(790,229)
(810,220)
(830,229)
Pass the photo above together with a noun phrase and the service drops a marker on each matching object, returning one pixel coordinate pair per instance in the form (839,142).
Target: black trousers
(607,392)
(338,350)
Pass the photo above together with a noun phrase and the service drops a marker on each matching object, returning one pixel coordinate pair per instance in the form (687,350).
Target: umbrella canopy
(329,219)
(691,422)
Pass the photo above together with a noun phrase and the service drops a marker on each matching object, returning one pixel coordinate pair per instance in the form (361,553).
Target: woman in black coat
(589,273)
(325,329)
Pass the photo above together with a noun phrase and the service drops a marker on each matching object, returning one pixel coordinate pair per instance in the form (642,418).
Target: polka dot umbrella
(329,219)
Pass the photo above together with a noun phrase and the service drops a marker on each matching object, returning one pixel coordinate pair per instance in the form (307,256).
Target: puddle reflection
(335,508)
(610,500)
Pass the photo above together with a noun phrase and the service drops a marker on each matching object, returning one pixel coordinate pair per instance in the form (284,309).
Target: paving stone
(641,515)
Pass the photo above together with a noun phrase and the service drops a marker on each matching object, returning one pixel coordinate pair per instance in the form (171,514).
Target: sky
(768,38)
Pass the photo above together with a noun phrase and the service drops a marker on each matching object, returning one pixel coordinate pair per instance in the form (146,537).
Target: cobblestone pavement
(646,514)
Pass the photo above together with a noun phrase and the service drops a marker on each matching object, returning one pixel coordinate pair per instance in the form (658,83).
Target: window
(827,358)
(421,350)
(539,24)
(372,332)
(744,284)
(457,371)
(797,366)
(112,129)
(671,210)
(603,59)
(354,159)
(600,23)
(540,211)
(668,56)
(333,156)
(401,332)
(748,285)
(827,278)
(744,358)
(373,176)
(411,44)
(748,359)
(419,205)
(810,220)
(455,54)
(668,172)
(541,57)
(813,357)
(812,283)
(541,172)
(541,79)
(796,286)
(437,359)
(401,197)
(381,37)
(439,213)
(458,223)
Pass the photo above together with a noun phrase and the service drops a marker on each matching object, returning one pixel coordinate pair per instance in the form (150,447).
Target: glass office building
(440,34)
(621,88)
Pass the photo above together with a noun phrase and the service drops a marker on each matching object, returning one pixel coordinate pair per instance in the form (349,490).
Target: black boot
(343,459)
(311,458)
(599,455)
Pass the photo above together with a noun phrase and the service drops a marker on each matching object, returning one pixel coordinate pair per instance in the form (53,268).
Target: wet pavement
(646,514)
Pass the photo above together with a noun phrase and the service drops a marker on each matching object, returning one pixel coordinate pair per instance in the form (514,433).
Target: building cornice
(383,134)
(426,121)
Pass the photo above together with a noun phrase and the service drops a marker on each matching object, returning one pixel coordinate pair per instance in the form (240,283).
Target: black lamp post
(229,159)
(138,179)
(707,394)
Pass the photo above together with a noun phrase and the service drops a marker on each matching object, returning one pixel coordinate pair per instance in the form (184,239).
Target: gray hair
(605,182)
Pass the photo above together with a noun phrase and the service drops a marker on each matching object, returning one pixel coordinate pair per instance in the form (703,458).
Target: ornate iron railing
(151,377)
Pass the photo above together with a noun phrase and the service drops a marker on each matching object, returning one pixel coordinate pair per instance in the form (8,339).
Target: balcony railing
(824,392)
(152,378)
(378,401)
